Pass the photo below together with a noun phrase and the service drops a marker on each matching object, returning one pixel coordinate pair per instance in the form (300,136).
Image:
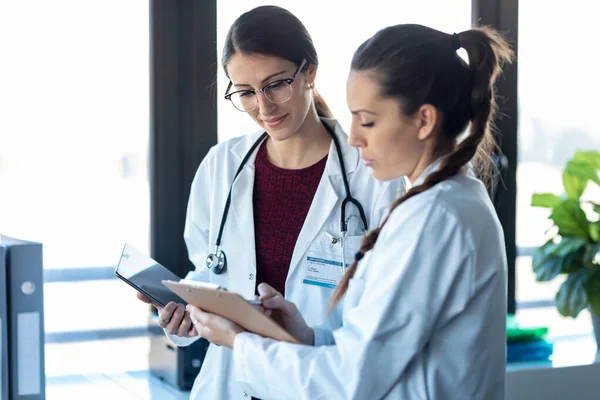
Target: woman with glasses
(286,205)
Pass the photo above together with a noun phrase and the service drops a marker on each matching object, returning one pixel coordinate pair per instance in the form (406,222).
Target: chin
(384,176)
(280,134)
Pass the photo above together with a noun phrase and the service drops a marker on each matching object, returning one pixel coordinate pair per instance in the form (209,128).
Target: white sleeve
(196,231)
(393,320)
(323,337)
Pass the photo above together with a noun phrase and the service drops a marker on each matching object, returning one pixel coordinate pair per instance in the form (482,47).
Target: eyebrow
(263,81)
(363,111)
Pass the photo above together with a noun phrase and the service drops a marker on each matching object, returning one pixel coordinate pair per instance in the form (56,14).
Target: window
(354,24)
(73,160)
(74,128)
(557,91)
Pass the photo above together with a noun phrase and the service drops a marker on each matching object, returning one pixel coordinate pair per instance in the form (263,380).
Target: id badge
(323,262)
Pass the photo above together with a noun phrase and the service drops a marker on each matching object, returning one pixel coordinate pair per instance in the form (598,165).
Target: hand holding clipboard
(231,306)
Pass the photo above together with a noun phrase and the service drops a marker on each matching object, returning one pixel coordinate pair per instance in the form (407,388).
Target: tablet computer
(146,275)
(231,306)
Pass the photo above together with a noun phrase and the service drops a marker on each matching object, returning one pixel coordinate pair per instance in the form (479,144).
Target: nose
(355,139)
(265,107)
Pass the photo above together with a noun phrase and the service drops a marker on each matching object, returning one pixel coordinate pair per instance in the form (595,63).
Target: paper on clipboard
(231,306)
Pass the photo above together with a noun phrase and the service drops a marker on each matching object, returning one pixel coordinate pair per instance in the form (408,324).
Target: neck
(306,147)
(428,157)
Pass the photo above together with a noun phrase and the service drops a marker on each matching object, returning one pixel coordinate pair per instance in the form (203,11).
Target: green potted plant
(574,246)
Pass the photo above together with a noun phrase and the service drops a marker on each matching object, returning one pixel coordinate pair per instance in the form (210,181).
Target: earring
(311,85)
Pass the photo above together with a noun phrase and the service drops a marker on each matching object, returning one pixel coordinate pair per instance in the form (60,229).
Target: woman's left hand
(214,328)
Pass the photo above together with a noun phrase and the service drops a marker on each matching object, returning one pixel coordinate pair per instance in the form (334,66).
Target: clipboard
(231,306)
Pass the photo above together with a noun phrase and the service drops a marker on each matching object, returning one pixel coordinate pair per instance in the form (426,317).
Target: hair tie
(358,256)
(455,42)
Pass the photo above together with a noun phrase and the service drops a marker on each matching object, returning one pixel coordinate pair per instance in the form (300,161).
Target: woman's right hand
(285,313)
(173,318)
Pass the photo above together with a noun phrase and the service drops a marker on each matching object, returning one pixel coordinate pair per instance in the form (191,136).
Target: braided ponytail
(403,56)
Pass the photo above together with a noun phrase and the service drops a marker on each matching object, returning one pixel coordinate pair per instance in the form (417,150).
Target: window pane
(557,324)
(100,357)
(353,24)
(74,127)
(528,289)
(92,305)
(557,88)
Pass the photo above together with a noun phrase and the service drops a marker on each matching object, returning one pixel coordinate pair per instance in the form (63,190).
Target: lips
(275,122)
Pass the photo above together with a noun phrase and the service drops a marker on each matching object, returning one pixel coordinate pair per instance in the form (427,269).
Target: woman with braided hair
(425,300)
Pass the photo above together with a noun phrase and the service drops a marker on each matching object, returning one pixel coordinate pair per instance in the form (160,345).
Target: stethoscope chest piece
(217,262)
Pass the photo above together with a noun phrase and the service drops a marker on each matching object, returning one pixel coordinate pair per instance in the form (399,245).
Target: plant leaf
(583,170)
(547,264)
(590,157)
(593,291)
(595,231)
(570,219)
(574,186)
(547,200)
(548,269)
(567,245)
(572,295)
(597,208)
(572,262)
(590,252)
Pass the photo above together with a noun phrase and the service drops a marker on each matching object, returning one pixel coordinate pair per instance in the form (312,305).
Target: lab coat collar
(350,154)
(436,165)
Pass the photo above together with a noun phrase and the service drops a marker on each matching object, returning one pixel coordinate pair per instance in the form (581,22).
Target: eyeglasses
(277,92)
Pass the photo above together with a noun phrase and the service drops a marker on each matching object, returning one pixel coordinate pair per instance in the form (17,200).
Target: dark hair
(273,31)
(418,65)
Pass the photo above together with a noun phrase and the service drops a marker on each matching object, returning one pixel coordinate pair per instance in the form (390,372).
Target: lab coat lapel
(241,219)
(321,208)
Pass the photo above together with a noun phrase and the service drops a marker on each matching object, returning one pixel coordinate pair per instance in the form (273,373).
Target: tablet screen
(146,275)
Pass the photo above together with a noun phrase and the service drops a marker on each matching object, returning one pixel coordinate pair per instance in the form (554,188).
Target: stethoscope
(217,261)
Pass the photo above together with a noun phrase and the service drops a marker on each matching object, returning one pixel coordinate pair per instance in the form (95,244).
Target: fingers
(195,314)
(201,316)
(263,310)
(165,315)
(276,303)
(194,329)
(186,324)
(266,291)
(175,321)
(143,298)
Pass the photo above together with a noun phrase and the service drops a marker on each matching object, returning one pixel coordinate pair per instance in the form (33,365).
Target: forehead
(362,89)
(252,69)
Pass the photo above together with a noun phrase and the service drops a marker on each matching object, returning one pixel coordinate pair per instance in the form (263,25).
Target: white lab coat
(207,200)
(424,316)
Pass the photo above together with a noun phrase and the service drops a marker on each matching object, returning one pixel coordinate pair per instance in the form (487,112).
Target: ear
(311,74)
(427,119)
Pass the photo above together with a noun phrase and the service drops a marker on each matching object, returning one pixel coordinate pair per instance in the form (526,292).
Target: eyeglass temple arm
(227,91)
